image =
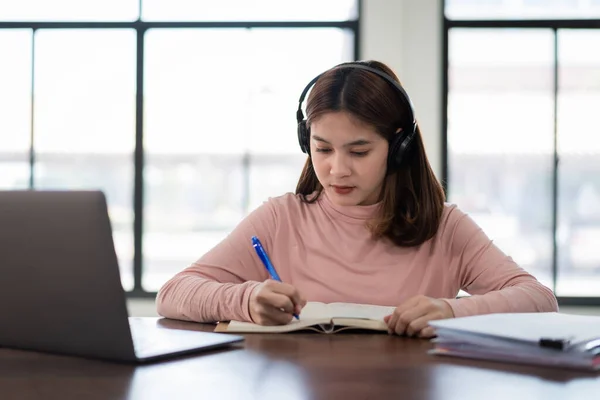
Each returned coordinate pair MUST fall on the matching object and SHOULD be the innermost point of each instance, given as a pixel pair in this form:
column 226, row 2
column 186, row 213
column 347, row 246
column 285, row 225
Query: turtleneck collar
column 357, row 214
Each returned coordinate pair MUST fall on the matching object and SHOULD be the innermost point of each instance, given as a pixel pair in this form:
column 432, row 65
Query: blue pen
column 262, row 254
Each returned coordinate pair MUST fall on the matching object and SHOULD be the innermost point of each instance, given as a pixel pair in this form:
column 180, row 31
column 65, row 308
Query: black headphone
column 399, row 145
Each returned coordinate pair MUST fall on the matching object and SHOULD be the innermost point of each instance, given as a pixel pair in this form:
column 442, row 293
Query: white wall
column 407, row 36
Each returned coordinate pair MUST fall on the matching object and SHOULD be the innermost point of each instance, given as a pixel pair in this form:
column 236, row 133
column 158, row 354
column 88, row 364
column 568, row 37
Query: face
column 349, row 158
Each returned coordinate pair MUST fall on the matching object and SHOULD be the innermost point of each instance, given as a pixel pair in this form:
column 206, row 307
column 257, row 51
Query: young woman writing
column 368, row 223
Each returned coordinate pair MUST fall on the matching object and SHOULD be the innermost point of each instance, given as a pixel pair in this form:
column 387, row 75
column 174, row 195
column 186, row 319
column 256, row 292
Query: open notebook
column 322, row 317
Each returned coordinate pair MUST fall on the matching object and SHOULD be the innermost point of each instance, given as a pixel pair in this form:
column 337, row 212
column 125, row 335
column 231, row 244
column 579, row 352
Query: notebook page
column 360, row 311
column 314, row 310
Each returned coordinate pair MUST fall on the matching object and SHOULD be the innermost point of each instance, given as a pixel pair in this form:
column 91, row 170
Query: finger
column 391, row 321
column 409, row 304
column 290, row 291
column 407, row 317
column 428, row 332
column 279, row 301
column 280, row 287
column 415, row 327
column 275, row 316
column 270, row 315
column 301, row 303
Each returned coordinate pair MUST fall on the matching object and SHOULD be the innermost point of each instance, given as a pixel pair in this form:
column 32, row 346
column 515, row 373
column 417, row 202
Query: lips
column 342, row 189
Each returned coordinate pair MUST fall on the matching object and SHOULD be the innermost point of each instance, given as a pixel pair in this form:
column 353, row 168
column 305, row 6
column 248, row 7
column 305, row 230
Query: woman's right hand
column 275, row 303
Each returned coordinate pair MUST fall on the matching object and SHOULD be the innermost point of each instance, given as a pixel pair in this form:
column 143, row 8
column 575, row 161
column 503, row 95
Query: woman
column 368, row 224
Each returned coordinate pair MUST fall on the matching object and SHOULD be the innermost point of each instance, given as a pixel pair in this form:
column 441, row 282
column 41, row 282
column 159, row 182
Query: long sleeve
column 494, row 281
column 218, row 286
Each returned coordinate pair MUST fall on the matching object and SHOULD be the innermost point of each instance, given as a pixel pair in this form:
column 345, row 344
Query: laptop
column 60, row 286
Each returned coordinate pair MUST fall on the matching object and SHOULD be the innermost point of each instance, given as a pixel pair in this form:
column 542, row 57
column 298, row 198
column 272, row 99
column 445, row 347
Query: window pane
column 195, row 113
column 69, row 10
column 166, row 253
column 278, row 74
column 191, row 203
column 85, row 121
column 522, row 9
column 205, row 119
column 279, row 79
column 500, row 138
column 579, row 168
column 273, row 176
column 15, row 107
column 248, row 10
column 196, row 91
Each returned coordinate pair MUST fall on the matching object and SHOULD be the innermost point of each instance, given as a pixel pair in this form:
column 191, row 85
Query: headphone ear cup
column 398, row 149
column 304, row 137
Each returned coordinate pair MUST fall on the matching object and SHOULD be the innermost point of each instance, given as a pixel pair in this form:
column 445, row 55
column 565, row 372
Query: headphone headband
column 359, row 65
column 398, row 145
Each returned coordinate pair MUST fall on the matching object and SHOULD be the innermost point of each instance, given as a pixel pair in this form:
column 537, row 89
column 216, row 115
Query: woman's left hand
column 411, row 317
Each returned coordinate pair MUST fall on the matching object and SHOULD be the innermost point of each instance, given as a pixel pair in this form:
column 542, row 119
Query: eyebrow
column 359, row 142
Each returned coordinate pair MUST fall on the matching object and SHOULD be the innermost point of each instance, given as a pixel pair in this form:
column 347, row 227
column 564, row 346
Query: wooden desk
column 290, row 366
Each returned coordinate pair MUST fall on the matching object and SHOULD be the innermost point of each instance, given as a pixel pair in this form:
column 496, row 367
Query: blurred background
column 183, row 113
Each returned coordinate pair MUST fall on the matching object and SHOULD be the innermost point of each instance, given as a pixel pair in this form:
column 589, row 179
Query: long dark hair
column 412, row 197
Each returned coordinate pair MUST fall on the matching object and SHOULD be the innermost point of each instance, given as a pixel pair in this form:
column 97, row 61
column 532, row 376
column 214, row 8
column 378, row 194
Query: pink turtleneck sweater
column 327, row 253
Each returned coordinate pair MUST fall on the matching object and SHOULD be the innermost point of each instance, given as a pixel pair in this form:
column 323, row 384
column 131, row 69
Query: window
column 68, row 10
column 500, row 138
column 579, row 167
column 84, row 119
column 15, row 108
column 521, row 9
column 248, row 10
column 521, row 134
column 182, row 112
column 220, row 131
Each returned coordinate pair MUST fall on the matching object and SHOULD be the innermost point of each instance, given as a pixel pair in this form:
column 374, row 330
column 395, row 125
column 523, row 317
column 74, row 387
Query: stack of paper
column 548, row 339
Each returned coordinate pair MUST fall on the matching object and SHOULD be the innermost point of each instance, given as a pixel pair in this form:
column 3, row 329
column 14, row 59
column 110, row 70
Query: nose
column 340, row 165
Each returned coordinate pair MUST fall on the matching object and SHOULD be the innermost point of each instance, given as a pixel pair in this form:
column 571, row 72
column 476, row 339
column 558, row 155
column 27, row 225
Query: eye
column 323, row 150
column 360, row 153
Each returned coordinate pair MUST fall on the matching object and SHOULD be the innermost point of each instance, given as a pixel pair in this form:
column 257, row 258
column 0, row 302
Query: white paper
column 529, row 327
column 345, row 310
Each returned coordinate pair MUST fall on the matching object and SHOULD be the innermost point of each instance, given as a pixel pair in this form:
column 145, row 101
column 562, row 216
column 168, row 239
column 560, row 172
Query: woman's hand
column 275, row 303
column 411, row 317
